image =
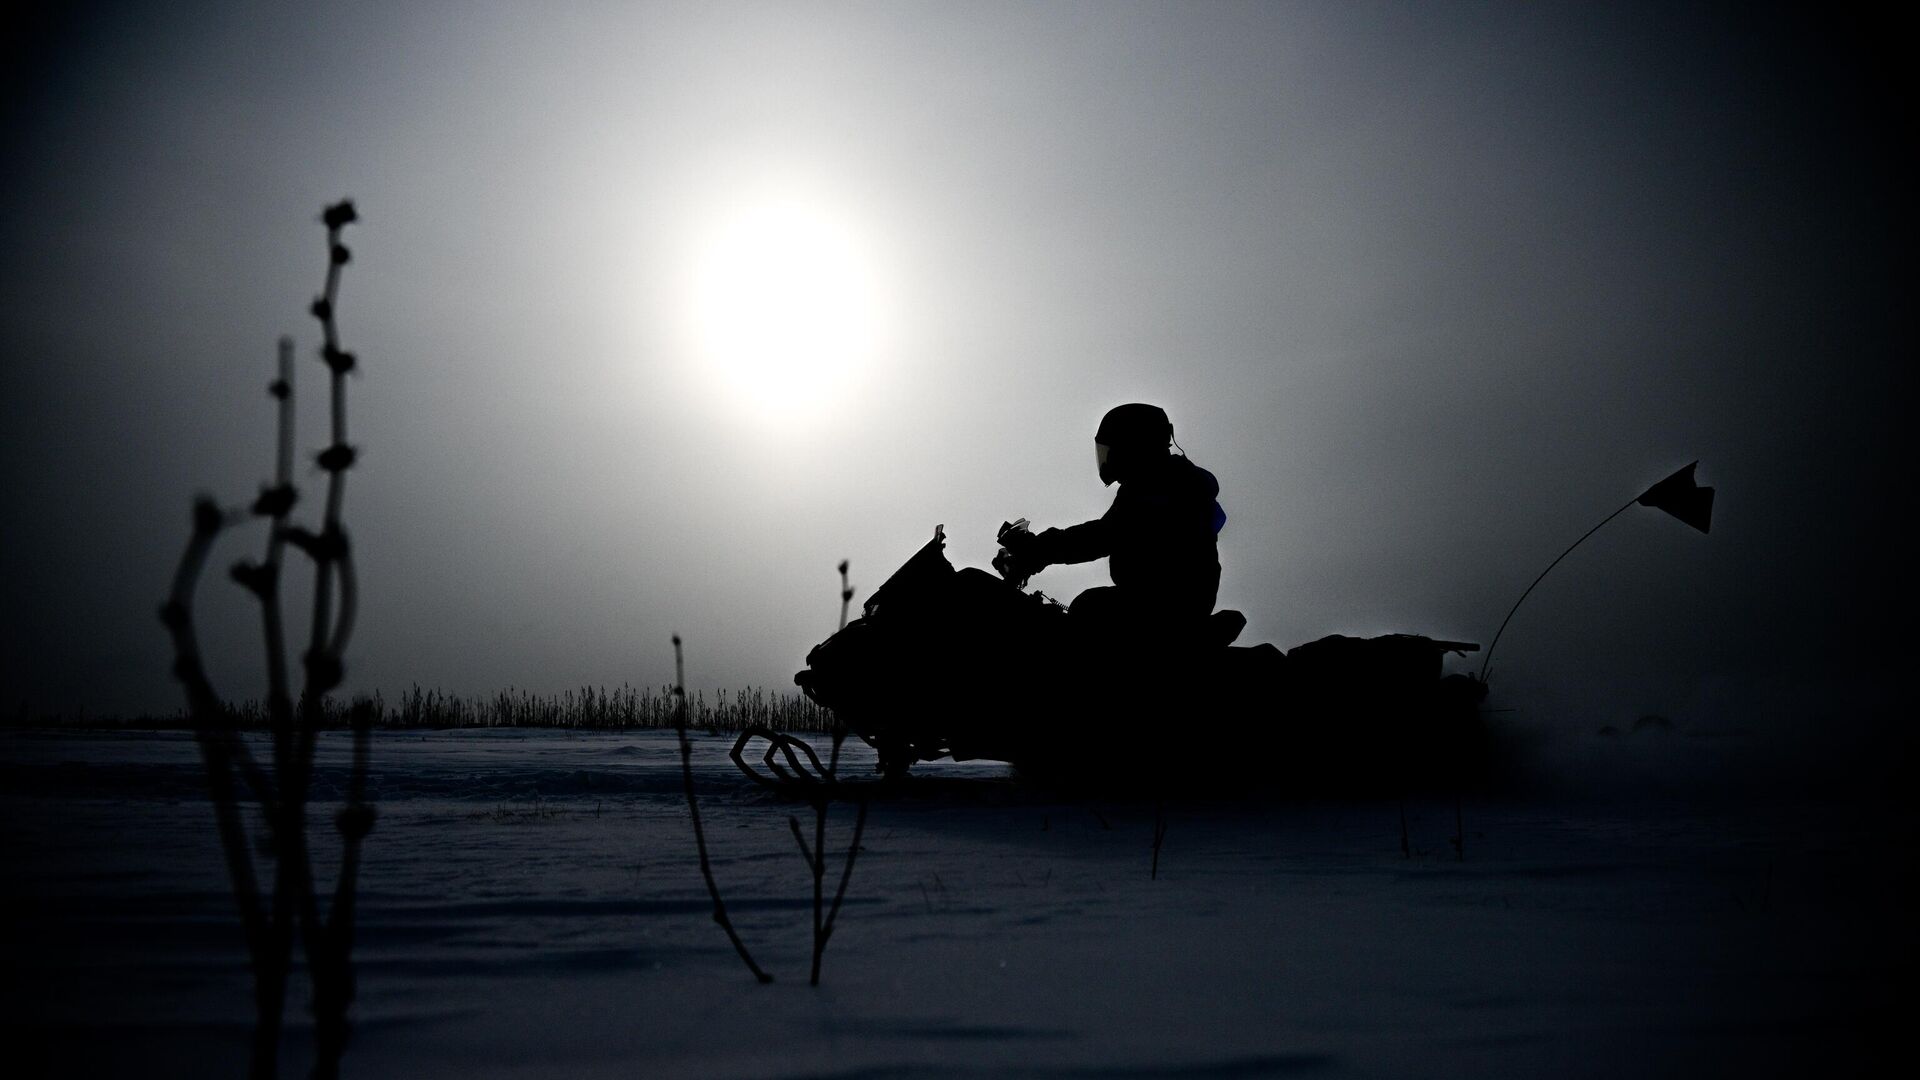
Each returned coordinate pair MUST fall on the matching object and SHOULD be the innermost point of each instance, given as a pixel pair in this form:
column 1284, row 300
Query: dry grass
column 589, row 708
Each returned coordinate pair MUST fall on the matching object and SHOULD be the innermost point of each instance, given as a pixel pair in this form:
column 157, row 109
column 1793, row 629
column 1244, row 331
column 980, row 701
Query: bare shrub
column 271, row 918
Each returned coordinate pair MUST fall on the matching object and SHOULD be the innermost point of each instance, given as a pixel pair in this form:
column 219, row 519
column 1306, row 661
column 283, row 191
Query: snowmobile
column 968, row 665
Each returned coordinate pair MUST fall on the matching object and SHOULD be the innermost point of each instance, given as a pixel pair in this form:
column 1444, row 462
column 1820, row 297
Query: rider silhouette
column 1158, row 537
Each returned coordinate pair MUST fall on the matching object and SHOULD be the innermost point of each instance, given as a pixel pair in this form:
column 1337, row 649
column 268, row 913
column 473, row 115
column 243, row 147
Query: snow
column 531, row 906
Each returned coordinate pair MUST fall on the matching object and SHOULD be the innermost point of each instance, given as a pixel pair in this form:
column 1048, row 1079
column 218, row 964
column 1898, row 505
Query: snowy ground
column 532, row 907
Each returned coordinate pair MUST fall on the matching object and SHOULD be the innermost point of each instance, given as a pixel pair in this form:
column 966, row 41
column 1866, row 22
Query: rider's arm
column 1084, row 542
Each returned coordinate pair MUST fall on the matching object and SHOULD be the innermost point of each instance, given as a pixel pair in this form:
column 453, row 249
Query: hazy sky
column 1430, row 288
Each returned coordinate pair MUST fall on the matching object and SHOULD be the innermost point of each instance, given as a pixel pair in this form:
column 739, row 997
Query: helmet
column 1130, row 433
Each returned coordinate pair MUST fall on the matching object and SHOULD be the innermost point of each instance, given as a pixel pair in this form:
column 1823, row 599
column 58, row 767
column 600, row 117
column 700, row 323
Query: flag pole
column 1488, row 659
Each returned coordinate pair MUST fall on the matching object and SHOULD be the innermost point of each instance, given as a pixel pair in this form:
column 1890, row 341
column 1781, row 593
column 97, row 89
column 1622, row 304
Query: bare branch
column 271, row 921
column 693, row 810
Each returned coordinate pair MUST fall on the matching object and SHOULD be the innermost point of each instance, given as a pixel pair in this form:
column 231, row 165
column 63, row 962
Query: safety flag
column 1680, row 496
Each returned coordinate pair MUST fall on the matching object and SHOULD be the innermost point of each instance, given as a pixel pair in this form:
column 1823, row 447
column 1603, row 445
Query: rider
column 1159, row 536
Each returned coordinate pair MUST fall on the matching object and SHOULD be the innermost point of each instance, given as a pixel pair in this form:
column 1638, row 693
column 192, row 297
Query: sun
column 786, row 308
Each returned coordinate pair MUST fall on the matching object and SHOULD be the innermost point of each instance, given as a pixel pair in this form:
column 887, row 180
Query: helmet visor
column 1101, row 452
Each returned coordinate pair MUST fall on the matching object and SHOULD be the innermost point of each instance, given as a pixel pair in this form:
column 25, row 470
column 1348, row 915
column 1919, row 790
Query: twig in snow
column 270, row 921
column 846, row 594
column 693, row 810
column 1159, row 837
column 822, row 798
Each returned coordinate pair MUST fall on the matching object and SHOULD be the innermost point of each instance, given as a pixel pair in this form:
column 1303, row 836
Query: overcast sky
column 1430, row 288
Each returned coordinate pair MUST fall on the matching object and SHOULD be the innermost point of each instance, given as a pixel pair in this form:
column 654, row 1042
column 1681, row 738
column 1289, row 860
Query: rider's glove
column 1019, row 557
column 1025, row 547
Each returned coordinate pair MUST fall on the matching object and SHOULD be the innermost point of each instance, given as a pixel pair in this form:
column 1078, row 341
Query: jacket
column 1160, row 538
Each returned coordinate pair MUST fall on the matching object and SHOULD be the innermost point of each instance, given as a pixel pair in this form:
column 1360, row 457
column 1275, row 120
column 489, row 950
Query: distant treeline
column 592, row 707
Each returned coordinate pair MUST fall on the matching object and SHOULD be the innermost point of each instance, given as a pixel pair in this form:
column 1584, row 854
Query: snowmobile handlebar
column 1007, row 562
